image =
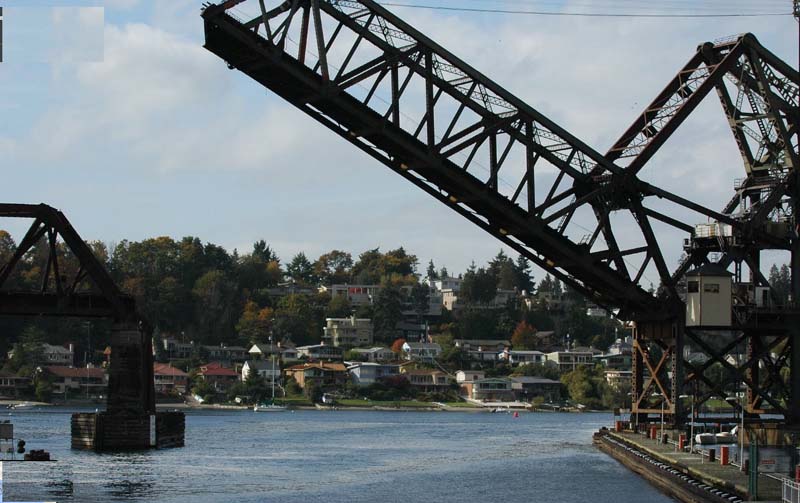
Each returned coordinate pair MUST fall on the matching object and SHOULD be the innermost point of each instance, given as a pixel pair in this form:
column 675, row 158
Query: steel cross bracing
column 74, row 283
column 447, row 128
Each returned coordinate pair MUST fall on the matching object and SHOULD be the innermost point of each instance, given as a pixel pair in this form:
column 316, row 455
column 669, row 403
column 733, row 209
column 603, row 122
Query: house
column 527, row 388
column 366, row 373
column 77, row 381
column 375, row 354
column 12, row 386
column 347, row 332
column 567, row 361
column 427, row 380
column 267, row 369
column 451, row 303
column 54, row 355
column 482, row 344
column 177, row 350
column 422, row 351
column 522, row 357
column 284, row 350
column 221, row 378
column 327, row 375
column 448, row 283
column 232, row 354
column 618, row 378
column 170, row 380
column 492, row 389
column 320, row 352
column 466, row 379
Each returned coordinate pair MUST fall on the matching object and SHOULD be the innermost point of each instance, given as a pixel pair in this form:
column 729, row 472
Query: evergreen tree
column 524, row 276
column 432, row 274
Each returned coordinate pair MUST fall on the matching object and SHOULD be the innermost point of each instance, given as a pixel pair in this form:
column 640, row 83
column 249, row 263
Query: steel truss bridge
column 450, row 130
column 74, row 283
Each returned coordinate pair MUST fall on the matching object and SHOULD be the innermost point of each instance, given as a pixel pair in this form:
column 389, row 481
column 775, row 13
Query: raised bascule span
column 585, row 217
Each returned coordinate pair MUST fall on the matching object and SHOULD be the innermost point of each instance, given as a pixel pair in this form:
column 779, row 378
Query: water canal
column 330, row 456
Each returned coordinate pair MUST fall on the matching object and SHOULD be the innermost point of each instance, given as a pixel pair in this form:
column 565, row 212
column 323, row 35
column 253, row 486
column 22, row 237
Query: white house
column 376, row 354
column 522, row 357
column 271, row 371
column 366, row 373
column 423, row 351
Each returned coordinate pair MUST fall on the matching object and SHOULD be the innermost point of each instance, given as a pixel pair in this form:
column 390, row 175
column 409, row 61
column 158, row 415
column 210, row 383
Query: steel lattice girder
column 88, row 293
column 355, row 79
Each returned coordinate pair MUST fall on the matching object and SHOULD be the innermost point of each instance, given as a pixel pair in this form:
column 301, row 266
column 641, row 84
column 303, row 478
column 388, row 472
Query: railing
column 791, row 491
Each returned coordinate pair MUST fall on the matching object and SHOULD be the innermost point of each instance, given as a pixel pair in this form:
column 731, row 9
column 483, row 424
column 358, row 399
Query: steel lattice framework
column 450, row 130
column 74, row 283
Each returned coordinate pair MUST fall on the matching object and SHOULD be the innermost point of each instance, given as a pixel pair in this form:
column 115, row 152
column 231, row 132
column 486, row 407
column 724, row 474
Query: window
column 694, row 286
column 711, row 288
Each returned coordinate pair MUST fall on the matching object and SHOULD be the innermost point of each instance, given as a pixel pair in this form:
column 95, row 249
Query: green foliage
column 339, row 307
column 431, row 273
column 537, row 370
column 420, row 298
column 479, row 286
column 204, row 389
column 333, row 267
column 293, row 388
column 781, row 282
column 300, row 270
column 586, row 386
column 43, row 390
column 313, row 391
column 374, row 267
column 387, row 311
column 299, row 318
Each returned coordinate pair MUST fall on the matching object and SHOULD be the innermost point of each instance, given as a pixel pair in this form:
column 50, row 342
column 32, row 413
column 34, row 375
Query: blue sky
column 131, row 128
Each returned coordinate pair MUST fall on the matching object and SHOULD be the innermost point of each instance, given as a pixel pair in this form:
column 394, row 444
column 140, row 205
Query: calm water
column 331, row 456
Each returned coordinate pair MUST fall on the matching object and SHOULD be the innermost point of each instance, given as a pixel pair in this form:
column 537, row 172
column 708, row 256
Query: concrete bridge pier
column 130, row 421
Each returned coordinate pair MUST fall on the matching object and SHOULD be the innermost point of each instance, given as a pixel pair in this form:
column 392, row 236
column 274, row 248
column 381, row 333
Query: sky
column 113, row 112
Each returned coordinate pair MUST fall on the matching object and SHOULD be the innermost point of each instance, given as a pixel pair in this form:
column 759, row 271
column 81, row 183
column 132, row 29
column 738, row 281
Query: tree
column 478, row 286
column 333, row 267
column 255, row 323
column 215, row 298
column 431, row 274
column 339, row 307
column 586, row 385
column 420, row 299
column 263, row 252
column 443, row 274
column 300, row 270
column 397, row 346
column 524, row 336
column 524, row 276
column 387, row 311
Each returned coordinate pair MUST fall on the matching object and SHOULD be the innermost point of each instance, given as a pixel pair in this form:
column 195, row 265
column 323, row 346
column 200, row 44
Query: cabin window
column 711, row 288
column 694, row 286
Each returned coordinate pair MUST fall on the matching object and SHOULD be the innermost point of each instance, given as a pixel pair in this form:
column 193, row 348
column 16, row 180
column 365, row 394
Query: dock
column 687, row 476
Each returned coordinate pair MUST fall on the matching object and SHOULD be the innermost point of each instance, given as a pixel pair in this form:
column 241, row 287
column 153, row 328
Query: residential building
column 595, row 311
column 618, row 378
column 492, row 389
column 482, row 344
column 347, row 332
column 327, row 375
column 283, row 350
column 223, row 353
column 12, row 386
column 463, row 376
column 54, row 355
column 448, row 283
column 221, row 378
column 527, row 388
column 320, row 352
column 451, row 303
column 427, row 380
column 170, row 380
column 177, row 350
column 522, row 357
column 567, row 361
column 267, row 369
column 366, row 373
column 71, row 381
column 364, row 295
column 422, row 351
column 376, row 354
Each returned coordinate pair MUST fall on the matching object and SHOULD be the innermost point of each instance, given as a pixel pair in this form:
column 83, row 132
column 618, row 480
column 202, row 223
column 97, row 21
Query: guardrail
column 791, row 491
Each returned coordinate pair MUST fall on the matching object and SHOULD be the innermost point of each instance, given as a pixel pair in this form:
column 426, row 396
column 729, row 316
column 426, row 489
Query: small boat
column 268, row 407
column 23, row 406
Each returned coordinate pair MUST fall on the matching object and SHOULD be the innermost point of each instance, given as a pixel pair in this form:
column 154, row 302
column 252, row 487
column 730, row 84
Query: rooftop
column 61, row 371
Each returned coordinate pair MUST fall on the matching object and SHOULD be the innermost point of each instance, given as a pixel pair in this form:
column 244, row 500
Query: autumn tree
column 255, row 323
column 397, row 346
column 333, row 267
column 524, row 336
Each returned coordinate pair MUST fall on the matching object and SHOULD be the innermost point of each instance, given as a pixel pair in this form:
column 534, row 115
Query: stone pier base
column 103, row 431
